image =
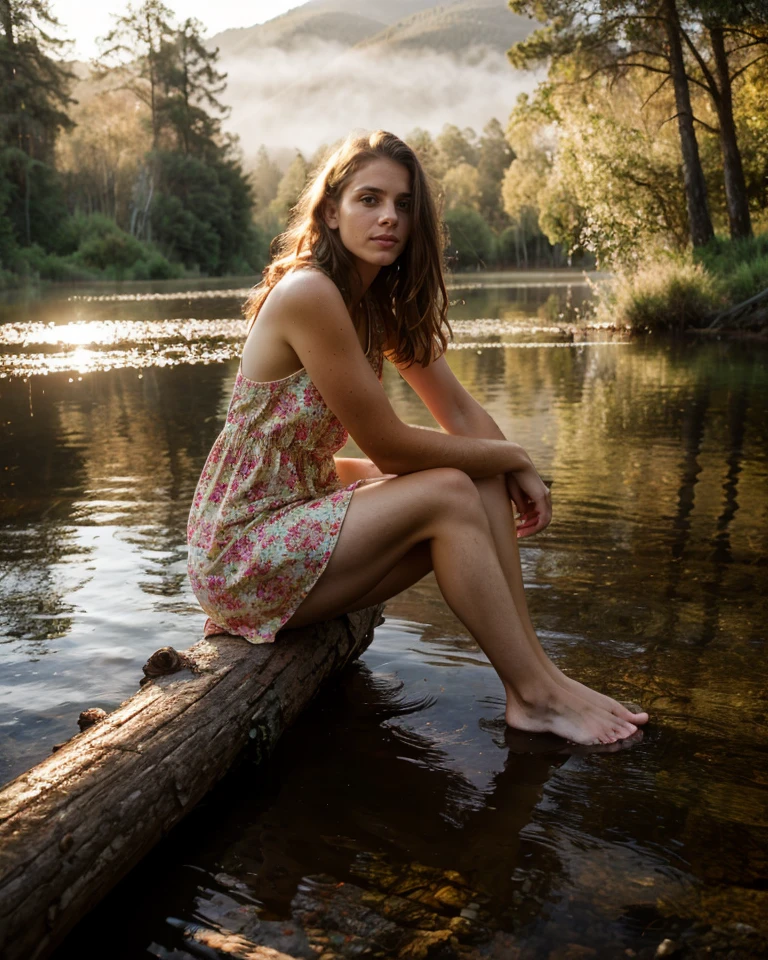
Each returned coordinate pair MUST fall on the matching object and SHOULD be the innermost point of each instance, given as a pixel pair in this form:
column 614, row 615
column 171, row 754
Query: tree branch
column 652, row 95
column 747, row 66
column 708, row 76
column 707, row 126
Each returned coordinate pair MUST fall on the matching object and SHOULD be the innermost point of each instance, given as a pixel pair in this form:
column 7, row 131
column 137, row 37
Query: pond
column 650, row 585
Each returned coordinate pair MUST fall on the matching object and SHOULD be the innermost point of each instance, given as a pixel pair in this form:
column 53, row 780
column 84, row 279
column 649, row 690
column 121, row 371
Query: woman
column 358, row 274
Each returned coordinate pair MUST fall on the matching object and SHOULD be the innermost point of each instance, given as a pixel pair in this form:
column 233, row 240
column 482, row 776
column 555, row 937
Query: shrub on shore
column 667, row 294
column 660, row 296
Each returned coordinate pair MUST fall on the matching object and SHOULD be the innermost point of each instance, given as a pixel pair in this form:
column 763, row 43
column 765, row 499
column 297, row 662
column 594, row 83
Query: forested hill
column 310, row 75
column 455, row 27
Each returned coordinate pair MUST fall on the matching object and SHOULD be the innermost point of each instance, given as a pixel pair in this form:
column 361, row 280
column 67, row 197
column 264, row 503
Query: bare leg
column 499, row 511
column 385, row 522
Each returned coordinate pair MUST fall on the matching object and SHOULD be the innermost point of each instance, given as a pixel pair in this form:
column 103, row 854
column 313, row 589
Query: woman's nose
column 388, row 215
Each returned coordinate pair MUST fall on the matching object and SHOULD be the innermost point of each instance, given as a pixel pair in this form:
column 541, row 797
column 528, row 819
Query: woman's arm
column 449, row 402
column 316, row 324
column 457, row 412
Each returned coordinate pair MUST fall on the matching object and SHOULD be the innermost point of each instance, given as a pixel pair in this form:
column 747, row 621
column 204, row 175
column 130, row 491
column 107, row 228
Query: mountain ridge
column 455, row 27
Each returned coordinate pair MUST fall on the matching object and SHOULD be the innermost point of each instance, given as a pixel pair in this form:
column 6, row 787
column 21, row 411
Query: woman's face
column 373, row 216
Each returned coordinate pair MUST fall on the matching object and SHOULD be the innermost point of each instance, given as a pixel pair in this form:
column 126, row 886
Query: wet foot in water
column 588, row 694
column 548, row 708
column 599, row 699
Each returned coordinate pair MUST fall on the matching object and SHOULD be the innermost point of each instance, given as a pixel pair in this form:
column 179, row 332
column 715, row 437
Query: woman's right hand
column 532, row 498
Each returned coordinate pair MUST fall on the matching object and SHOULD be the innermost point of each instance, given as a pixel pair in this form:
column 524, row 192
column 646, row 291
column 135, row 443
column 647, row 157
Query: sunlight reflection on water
column 109, row 345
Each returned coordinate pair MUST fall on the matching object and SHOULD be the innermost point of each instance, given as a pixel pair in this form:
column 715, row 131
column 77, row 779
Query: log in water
column 72, row 826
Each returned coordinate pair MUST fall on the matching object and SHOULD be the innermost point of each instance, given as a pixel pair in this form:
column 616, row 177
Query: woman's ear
column 331, row 213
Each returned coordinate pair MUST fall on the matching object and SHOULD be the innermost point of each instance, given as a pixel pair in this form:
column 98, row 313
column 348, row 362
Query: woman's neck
column 366, row 274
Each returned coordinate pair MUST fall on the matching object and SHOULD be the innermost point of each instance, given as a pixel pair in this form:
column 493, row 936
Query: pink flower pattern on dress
column 269, row 504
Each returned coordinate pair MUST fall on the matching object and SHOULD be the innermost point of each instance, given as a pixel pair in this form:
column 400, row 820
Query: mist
column 304, row 98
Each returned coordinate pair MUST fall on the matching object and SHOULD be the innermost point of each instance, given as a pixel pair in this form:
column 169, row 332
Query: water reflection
column 650, row 585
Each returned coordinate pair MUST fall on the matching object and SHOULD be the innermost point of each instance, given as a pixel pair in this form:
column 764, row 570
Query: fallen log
column 75, row 824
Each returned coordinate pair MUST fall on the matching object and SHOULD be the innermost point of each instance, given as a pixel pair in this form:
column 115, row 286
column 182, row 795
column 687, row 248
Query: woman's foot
column 599, row 699
column 548, row 708
column 587, row 693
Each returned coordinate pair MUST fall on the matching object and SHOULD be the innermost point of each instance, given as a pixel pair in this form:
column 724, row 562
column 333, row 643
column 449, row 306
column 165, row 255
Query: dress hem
column 300, row 598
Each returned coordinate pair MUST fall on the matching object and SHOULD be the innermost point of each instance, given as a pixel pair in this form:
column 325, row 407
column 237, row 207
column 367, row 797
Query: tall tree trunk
column 693, row 175
column 152, row 79
column 185, row 95
column 733, row 170
column 10, row 97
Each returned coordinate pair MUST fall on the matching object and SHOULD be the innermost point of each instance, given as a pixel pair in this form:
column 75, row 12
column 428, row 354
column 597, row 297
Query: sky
column 84, row 20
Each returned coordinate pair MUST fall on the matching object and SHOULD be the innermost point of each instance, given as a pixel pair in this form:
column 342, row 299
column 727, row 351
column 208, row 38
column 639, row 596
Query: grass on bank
column 668, row 294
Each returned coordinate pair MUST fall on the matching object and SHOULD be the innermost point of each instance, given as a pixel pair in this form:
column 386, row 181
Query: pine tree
column 34, row 96
column 191, row 87
column 137, row 47
column 34, row 93
column 494, row 157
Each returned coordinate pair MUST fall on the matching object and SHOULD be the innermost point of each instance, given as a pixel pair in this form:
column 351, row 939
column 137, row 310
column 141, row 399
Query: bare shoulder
column 305, row 290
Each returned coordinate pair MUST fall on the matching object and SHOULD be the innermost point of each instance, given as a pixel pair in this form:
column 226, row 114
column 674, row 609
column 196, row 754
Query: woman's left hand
column 533, row 506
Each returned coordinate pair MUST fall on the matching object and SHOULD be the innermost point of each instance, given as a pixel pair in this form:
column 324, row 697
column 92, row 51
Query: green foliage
column 747, row 280
column 202, row 215
column 34, row 93
column 454, row 146
column 462, row 186
column 32, row 198
column 113, row 249
column 751, row 117
column 193, row 198
column 422, row 144
column 190, row 88
column 741, row 266
column 137, row 51
column 471, row 243
column 494, row 157
column 265, row 179
column 34, row 263
column 600, row 172
column 91, row 248
column 82, row 228
column 289, row 188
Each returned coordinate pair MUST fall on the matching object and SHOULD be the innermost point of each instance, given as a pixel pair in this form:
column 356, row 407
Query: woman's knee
column 455, row 492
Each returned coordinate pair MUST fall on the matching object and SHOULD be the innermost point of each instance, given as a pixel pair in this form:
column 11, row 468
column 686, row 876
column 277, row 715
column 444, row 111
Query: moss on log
column 75, row 824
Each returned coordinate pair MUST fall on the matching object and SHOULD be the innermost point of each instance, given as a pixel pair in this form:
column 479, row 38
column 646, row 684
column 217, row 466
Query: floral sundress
column 269, row 505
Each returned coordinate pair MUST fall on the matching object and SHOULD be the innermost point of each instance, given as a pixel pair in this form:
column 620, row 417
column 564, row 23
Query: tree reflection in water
column 649, row 585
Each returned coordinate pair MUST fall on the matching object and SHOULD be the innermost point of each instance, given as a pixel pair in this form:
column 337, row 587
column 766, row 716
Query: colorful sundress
column 269, row 504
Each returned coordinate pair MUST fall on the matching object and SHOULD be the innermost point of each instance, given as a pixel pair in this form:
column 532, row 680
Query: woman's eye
column 404, row 205
column 366, row 199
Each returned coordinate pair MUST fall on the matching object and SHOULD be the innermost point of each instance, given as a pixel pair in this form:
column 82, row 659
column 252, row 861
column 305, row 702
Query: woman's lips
column 385, row 242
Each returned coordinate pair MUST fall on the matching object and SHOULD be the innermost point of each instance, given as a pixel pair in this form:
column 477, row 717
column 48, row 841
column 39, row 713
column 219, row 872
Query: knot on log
column 164, row 661
column 90, row 717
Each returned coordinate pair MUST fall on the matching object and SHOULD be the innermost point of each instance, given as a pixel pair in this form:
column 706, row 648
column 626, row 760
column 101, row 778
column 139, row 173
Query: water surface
column 650, row 584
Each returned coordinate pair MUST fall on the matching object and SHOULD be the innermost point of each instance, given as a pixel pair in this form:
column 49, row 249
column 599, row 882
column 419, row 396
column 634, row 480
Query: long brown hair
column 410, row 293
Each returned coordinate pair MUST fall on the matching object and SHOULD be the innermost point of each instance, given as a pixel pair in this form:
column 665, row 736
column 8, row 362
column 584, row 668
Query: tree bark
column 693, row 175
column 733, row 170
column 75, row 824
